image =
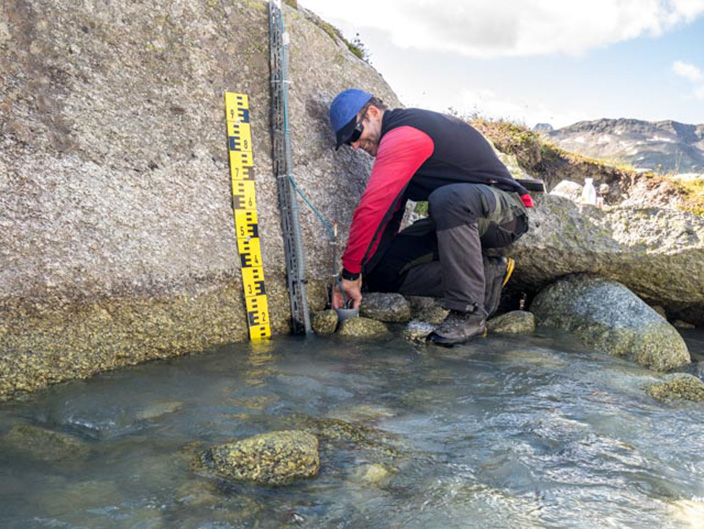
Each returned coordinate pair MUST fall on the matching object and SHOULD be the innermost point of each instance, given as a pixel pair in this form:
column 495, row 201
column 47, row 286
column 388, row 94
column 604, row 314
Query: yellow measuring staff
column 244, row 205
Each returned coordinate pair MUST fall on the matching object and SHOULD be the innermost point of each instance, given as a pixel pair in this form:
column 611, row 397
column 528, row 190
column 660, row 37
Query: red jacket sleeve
column 401, row 152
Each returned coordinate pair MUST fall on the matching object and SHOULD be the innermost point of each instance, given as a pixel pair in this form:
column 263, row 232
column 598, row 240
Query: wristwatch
column 349, row 276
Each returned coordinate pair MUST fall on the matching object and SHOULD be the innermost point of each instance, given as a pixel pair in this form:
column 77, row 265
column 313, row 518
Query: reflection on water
column 526, row 432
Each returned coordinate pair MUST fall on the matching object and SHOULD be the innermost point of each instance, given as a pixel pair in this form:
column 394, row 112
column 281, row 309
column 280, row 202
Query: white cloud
column 510, row 27
column 694, row 75
column 688, row 71
column 488, row 104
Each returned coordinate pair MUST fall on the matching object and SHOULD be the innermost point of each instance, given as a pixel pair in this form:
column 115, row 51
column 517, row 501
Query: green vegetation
column 692, row 194
column 357, row 47
column 544, row 160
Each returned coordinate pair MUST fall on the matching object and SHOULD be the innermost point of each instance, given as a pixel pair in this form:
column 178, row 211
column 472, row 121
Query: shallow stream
column 506, row 432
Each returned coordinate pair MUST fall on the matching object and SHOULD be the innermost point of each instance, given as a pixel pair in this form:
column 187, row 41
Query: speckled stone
column 514, row 322
column 385, row 306
column 325, row 322
column 418, row 331
column 275, row 458
column 607, row 316
column 427, row 309
column 678, row 386
column 362, row 327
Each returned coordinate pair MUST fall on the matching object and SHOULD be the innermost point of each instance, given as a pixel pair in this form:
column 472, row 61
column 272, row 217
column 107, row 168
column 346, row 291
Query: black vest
column 461, row 154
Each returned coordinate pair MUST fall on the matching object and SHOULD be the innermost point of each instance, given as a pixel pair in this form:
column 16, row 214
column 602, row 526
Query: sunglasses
column 357, row 132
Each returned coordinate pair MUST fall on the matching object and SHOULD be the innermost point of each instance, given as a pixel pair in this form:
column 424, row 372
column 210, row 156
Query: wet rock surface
column 362, row 328
column 276, row 458
column 607, row 316
column 418, row 331
column 678, row 386
column 44, row 444
column 514, row 322
column 325, row 322
column 387, row 307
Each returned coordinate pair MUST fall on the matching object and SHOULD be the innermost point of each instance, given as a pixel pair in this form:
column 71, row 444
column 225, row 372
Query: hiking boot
column 497, row 271
column 458, row 327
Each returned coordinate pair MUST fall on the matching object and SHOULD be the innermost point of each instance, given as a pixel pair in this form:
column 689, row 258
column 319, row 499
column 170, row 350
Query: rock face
column 114, row 164
column 276, row 458
column 610, row 318
column 656, row 253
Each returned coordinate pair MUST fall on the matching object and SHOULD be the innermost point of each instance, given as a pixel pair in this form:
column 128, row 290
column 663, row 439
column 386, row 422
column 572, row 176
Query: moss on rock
column 362, row 327
column 515, row 322
column 325, row 322
column 275, row 458
column 678, row 386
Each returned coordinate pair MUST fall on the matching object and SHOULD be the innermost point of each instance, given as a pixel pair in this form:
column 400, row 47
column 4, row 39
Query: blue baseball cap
column 343, row 113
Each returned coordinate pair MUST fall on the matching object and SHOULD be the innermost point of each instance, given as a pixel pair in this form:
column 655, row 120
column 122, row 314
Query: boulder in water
column 609, row 317
column 678, row 386
column 362, row 327
column 275, row 458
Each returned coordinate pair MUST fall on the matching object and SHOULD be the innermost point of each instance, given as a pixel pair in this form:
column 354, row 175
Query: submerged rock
column 158, row 410
column 514, row 322
column 383, row 306
column 362, row 327
column 45, row 445
column 325, row 322
column 372, row 474
column 609, row 317
column 677, row 386
column 275, row 458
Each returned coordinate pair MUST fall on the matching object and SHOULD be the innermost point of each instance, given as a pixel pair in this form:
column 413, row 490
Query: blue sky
column 531, row 61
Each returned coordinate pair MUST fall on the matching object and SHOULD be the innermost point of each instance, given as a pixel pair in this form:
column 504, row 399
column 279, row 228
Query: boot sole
column 436, row 339
column 510, row 265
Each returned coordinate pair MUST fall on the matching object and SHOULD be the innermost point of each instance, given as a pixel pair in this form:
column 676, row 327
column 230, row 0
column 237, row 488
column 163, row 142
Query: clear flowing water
column 506, row 432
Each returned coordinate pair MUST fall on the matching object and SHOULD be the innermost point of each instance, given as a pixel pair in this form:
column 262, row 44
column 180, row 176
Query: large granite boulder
column 657, row 253
column 117, row 240
column 275, row 458
column 607, row 316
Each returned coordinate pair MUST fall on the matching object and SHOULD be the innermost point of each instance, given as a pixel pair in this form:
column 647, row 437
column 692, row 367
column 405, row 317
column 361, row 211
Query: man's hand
column 352, row 290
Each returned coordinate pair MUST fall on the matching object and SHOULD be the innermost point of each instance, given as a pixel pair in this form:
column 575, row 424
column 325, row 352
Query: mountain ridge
column 665, row 146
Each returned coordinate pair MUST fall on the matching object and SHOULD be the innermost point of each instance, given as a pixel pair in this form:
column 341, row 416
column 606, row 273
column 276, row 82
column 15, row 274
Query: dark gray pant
column 441, row 256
